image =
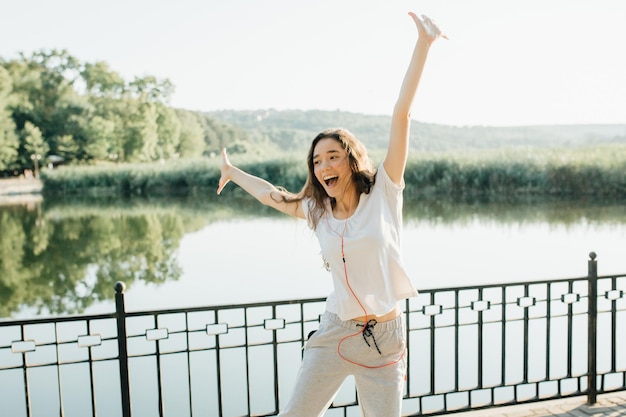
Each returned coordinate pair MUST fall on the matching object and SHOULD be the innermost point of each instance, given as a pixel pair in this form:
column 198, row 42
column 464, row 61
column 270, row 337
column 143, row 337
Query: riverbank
column 20, row 190
column 13, row 186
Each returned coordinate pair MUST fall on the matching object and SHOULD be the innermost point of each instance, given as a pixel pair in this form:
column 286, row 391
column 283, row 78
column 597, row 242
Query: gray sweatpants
column 379, row 377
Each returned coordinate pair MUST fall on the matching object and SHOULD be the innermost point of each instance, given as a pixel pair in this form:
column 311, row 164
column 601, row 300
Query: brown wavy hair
column 363, row 172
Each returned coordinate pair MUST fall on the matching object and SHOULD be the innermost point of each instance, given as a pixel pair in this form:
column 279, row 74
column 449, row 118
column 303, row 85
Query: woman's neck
column 346, row 206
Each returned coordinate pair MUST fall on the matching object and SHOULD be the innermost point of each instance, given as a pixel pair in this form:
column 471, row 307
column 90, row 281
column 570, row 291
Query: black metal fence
column 468, row 348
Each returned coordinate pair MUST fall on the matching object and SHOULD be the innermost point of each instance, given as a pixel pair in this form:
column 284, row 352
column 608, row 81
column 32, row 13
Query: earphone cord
column 368, row 324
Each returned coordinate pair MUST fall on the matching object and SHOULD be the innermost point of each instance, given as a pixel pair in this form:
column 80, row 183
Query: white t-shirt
column 371, row 244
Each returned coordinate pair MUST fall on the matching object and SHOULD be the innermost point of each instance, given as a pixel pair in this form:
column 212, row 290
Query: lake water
column 61, row 257
column 269, row 259
column 204, row 254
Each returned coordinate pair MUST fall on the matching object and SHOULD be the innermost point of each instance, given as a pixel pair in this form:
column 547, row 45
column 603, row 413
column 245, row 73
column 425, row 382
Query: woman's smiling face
column 331, row 165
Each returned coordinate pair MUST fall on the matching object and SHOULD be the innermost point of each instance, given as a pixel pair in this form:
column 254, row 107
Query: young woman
column 356, row 213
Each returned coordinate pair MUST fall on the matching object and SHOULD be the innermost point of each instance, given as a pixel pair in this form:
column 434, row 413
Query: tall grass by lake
column 576, row 172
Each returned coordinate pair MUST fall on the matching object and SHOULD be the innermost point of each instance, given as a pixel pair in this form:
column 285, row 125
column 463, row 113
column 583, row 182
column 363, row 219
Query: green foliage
column 132, row 179
column 600, row 171
column 9, row 141
column 192, row 135
column 33, row 143
column 86, row 113
column 101, row 81
column 168, row 132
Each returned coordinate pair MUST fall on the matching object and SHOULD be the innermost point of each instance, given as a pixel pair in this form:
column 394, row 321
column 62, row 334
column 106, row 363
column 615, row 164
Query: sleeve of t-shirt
column 306, row 209
column 390, row 187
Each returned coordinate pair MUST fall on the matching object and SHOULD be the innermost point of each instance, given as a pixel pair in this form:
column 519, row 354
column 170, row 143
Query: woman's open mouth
column 330, row 180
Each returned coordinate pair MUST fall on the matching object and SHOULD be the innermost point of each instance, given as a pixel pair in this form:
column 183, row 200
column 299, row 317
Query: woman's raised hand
column 226, row 166
column 427, row 28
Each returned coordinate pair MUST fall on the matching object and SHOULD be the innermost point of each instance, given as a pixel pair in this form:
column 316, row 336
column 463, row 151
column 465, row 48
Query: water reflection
column 63, row 263
column 61, row 257
column 507, row 211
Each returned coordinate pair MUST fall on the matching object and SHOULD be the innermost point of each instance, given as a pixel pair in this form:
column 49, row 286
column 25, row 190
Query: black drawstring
column 367, row 332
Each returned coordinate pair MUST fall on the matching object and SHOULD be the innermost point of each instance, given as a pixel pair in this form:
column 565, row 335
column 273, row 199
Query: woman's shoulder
column 314, row 210
column 384, row 187
column 383, row 180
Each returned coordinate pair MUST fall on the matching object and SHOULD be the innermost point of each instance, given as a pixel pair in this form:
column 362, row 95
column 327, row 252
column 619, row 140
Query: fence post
column 592, row 326
column 120, row 314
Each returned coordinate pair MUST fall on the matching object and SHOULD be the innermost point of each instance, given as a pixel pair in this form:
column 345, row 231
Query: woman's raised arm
column 397, row 152
column 260, row 189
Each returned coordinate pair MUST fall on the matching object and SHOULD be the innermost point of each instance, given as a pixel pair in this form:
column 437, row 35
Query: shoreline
column 20, row 191
column 16, row 186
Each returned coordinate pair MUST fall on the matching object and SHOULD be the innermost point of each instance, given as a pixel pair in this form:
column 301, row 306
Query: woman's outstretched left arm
column 397, row 152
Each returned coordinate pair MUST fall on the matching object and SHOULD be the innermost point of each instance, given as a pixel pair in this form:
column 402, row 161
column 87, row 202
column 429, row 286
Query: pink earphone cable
column 366, row 322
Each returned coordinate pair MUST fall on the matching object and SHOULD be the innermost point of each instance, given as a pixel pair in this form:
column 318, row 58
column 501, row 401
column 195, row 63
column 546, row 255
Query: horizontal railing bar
column 11, row 322
column 511, row 284
column 56, row 319
column 223, row 307
column 53, row 364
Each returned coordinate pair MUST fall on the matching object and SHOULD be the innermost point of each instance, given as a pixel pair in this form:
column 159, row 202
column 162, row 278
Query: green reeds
column 598, row 171
column 534, row 172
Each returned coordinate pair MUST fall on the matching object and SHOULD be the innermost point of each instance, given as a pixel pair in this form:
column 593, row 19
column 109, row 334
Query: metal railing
column 468, row 348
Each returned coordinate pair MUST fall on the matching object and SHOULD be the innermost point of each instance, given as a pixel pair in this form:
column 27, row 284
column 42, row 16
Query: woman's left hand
column 427, row 28
column 225, row 171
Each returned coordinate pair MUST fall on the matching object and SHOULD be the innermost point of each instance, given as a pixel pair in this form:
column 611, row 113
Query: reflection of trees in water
column 61, row 263
column 62, row 257
column 507, row 211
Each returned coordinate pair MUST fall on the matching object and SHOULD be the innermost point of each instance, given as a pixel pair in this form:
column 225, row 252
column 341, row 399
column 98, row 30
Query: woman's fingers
column 224, row 170
column 427, row 27
column 221, row 185
column 433, row 27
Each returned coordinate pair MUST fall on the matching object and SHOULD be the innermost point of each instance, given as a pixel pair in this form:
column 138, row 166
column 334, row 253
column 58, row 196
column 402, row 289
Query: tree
column 85, row 112
column 9, row 141
column 34, row 144
column 212, row 140
column 100, row 81
column 140, row 131
column 151, row 89
column 191, row 135
column 52, row 89
column 117, row 112
column 66, row 147
column 98, row 136
column 168, row 129
column 44, row 96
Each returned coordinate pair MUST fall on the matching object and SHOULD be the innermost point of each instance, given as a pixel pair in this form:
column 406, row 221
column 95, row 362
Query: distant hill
column 294, row 130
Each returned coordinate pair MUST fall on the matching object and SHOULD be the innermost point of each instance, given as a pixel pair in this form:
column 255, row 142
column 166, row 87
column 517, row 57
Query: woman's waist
column 389, row 316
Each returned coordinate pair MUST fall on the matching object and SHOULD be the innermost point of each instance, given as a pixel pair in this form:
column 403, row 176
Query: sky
column 507, row 62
